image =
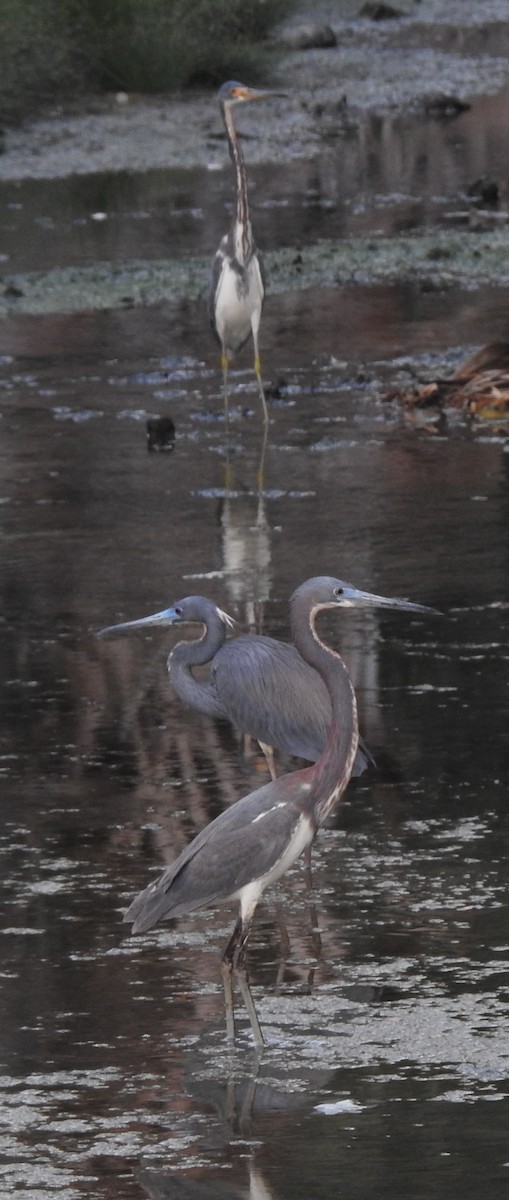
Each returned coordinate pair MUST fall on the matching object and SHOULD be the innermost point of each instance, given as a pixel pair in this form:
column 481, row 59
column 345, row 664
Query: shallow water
column 381, row 174
column 387, row 1064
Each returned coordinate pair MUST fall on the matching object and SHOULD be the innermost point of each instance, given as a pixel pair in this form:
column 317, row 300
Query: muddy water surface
column 387, row 1064
column 385, row 174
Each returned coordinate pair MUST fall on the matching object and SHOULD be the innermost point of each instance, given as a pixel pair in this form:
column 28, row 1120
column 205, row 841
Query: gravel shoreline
column 440, row 46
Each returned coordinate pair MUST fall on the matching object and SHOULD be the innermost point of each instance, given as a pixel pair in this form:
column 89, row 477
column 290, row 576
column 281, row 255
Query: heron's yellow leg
column 258, row 373
column 224, row 366
column 261, row 520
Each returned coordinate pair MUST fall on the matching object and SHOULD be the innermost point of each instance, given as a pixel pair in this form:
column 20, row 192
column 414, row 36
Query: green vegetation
column 51, row 49
column 36, row 54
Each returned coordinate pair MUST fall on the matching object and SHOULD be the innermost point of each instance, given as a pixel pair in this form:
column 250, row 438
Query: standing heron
column 264, row 687
column 237, row 286
column 252, row 843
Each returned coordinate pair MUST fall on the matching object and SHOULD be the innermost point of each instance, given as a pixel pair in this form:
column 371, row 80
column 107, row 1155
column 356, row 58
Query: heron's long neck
column 334, row 767
column 198, row 694
column 242, row 224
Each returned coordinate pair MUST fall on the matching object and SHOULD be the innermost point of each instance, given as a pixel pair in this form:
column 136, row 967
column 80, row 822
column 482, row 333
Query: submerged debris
column 379, row 12
column 484, row 191
column 443, row 106
column 160, row 434
column 479, row 388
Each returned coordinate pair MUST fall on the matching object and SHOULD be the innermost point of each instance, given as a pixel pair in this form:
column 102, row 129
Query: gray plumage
column 252, row 844
column 267, row 690
column 261, row 685
column 187, row 884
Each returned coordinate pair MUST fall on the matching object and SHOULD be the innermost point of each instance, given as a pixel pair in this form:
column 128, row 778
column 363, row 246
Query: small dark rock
column 11, row 292
column 275, row 390
column 160, row 434
column 330, row 109
column 311, row 37
column 484, row 191
column 379, row 12
column 444, row 106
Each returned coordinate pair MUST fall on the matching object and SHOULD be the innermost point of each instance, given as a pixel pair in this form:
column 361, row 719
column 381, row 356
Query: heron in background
column 237, row 286
column 263, row 686
column 251, row 844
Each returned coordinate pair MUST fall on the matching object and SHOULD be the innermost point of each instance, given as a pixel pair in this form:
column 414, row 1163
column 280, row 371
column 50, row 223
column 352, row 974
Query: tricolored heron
column 261, row 685
column 237, row 286
column 252, row 843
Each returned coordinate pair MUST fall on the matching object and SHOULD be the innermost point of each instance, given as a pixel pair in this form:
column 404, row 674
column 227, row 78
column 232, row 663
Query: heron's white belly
column 302, row 838
column 238, row 303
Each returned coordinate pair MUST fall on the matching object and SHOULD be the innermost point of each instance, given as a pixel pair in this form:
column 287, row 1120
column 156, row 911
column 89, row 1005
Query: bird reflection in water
column 205, row 1185
column 235, row 1111
column 246, row 550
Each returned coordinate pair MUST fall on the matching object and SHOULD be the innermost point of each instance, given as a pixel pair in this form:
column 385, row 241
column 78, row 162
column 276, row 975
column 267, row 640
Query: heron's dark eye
column 178, row 611
column 338, row 591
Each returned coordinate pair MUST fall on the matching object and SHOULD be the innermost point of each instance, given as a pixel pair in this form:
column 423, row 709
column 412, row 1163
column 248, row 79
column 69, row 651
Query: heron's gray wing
column 217, row 267
column 242, row 844
column 272, row 694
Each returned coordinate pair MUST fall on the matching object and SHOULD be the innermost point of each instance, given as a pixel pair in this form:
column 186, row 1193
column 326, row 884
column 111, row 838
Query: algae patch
column 441, row 259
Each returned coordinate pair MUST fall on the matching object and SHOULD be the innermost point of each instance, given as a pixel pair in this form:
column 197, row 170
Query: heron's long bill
column 247, row 93
column 352, row 597
column 167, row 616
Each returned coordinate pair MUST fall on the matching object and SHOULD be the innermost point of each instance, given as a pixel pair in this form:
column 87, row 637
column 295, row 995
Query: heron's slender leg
column 313, row 915
column 285, row 946
column 268, row 751
column 316, row 939
column 308, row 874
column 242, row 980
column 258, row 373
column 261, row 520
column 234, row 964
column 224, row 365
column 227, row 972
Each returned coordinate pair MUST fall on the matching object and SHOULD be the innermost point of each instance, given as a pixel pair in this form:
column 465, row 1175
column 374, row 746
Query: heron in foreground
column 252, row 843
column 263, row 686
column 237, row 286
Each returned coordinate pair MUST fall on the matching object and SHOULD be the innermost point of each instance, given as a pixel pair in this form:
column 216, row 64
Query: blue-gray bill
column 350, row 597
column 166, row 617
